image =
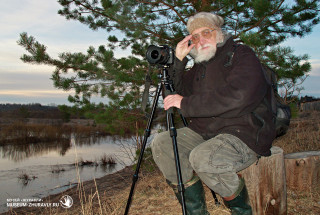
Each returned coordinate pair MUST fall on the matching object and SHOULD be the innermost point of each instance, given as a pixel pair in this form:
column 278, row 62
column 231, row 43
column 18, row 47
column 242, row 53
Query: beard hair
column 201, row 55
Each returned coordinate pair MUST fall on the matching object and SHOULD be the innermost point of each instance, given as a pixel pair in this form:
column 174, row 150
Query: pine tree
column 261, row 24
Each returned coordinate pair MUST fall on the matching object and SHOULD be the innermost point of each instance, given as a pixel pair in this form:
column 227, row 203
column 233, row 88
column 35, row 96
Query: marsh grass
column 87, row 163
column 57, row 169
column 107, row 160
column 23, row 133
column 25, row 178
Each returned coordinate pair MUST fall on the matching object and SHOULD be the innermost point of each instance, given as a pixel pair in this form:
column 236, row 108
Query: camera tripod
column 168, row 88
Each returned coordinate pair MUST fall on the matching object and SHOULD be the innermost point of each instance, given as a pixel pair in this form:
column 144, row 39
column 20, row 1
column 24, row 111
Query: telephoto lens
column 162, row 55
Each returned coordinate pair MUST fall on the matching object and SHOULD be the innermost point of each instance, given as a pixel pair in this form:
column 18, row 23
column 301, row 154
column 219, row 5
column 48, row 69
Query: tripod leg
column 184, row 120
column 216, row 201
column 173, row 134
column 169, row 89
column 145, row 138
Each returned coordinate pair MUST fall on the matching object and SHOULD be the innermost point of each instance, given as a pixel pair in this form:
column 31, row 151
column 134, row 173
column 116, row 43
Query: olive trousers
column 216, row 161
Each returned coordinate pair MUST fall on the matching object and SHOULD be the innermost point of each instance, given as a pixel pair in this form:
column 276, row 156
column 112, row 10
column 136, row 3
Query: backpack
column 280, row 110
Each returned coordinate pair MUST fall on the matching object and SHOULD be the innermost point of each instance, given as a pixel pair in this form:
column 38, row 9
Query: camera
column 163, row 55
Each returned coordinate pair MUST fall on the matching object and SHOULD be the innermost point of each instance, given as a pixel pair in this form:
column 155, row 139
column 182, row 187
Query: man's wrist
column 180, row 64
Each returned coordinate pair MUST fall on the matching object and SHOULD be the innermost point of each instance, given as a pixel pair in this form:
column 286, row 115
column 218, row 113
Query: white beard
column 201, row 55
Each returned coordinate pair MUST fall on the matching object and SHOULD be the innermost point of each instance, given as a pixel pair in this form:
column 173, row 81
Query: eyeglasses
column 207, row 34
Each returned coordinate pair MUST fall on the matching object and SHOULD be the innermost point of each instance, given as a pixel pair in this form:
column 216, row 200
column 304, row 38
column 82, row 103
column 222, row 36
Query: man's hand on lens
column 172, row 101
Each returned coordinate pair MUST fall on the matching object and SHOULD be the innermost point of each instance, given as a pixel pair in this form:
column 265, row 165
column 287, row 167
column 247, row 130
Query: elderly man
column 225, row 97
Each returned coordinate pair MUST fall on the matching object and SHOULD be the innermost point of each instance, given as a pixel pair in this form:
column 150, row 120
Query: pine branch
column 261, row 20
column 280, row 20
column 174, row 10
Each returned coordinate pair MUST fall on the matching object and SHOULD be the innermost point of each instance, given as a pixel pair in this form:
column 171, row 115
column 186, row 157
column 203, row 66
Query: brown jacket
column 227, row 99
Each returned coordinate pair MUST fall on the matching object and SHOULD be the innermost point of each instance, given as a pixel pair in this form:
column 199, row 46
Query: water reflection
column 108, row 168
column 81, row 140
column 20, row 152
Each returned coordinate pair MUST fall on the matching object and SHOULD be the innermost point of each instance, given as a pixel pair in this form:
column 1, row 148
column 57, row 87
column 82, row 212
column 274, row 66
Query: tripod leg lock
column 147, row 132
column 135, row 177
column 173, row 132
column 180, row 188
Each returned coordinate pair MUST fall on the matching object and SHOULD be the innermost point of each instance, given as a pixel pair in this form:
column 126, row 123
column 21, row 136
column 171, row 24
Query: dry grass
column 303, row 134
column 303, row 203
column 153, row 196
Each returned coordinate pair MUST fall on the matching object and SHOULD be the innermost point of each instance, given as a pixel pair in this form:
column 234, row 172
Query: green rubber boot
column 238, row 201
column 194, row 196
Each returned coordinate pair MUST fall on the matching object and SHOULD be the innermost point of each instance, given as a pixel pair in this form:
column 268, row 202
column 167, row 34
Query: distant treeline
column 308, row 99
column 34, row 110
column 32, row 106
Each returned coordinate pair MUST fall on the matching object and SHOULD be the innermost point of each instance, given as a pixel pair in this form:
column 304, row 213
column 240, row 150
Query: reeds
column 57, row 169
column 107, row 160
column 104, row 160
column 23, row 133
column 24, row 178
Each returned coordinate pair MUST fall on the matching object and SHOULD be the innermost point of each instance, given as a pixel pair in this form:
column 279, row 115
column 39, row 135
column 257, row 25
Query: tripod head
column 167, row 83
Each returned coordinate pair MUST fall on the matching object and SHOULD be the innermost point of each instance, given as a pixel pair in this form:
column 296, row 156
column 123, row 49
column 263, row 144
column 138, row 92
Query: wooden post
column 303, row 170
column 266, row 184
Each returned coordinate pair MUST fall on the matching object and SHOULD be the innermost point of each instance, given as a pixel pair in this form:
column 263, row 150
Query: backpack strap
column 230, row 55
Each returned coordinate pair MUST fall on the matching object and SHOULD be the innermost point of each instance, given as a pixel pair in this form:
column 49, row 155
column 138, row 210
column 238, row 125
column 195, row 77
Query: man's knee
column 160, row 143
column 198, row 158
column 211, row 159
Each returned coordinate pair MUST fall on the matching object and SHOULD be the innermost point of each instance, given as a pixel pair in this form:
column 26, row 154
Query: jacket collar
column 226, row 38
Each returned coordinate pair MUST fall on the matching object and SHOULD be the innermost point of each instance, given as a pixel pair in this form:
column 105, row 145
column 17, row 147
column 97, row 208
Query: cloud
column 315, row 67
column 30, row 87
column 28, row 99
column 31, row 14
column 40, row 19
column 311, row 86
column 31, row 83
column 309, row 44
column 35, row 93
column 25, row 81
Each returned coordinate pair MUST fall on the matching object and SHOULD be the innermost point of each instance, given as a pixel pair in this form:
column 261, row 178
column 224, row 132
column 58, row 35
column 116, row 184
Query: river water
column 51, row 167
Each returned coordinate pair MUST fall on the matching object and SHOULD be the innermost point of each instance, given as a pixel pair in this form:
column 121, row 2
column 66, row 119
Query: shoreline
column 110, row 184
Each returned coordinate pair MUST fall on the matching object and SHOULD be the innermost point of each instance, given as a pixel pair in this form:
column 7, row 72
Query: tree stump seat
column 266, row 184
column 303, row 170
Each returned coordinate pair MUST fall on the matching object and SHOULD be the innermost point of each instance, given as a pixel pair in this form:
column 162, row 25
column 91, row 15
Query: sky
column 24, row 83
